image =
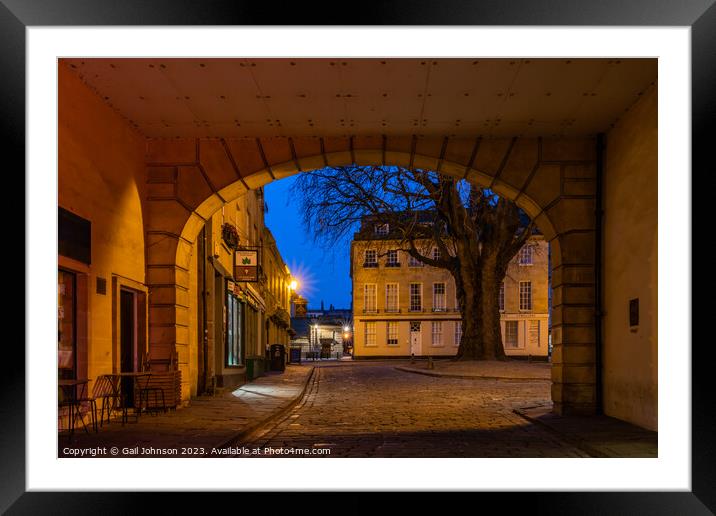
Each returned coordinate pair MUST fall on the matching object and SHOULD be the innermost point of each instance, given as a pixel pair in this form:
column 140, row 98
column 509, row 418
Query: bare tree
column 475, row 232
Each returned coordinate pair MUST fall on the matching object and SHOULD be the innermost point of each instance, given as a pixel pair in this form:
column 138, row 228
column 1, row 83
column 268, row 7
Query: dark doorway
column 128, row 342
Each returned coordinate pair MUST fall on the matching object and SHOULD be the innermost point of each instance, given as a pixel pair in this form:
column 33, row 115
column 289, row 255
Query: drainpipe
column 599, row 215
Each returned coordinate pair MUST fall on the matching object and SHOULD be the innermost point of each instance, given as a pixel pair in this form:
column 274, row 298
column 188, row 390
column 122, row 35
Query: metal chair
column 106, row 390
column 74, row 405
column 155, row 391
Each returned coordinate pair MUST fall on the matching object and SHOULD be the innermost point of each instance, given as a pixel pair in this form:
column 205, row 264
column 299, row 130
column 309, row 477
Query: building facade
column 244, row 308
column 402, row 307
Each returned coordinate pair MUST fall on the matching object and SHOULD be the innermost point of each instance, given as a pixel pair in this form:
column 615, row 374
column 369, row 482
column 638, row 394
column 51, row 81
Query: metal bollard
column 430, row 363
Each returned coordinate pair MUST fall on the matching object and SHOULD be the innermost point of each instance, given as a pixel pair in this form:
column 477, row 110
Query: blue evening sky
column 322, row 275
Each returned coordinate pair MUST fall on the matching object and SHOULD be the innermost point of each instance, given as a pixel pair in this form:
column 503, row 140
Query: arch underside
column 552, row 180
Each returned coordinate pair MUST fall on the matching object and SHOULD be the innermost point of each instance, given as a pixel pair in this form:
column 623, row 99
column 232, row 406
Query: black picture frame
column 699, row 15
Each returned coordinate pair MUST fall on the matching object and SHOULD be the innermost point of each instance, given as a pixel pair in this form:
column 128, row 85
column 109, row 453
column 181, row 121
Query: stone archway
column 553, row 180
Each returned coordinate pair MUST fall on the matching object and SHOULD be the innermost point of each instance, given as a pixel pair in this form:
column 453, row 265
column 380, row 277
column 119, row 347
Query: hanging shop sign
column 246, row 265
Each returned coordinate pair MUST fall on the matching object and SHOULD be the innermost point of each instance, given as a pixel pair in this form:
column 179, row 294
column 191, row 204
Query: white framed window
column 369, row 298
column 436, row 253
column 511, row 340
column 414, row 262
column 526, row 255
column 438, row 297
column 502, row 297
column 371, row 258
column 458, row 333
column 437, row 333
column 525, row 295
column 392, row 259
column 370, row 334
column 381, row 229
column 392, row 333
column 416, row 297
column 391, row 297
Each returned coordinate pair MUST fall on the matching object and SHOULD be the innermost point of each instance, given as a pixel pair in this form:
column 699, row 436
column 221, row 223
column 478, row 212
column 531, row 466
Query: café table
column 137, row 386
column 72, row 399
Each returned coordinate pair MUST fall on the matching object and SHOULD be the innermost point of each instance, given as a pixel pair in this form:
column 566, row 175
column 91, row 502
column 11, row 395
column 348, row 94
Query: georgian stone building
column 402, row 307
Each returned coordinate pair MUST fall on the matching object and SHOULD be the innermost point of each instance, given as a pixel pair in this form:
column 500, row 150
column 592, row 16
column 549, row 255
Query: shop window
column 66, row 325
column 234, row 331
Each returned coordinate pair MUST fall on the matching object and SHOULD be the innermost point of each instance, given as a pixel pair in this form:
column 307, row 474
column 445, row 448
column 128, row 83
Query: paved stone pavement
column 513, row 369
column 600, row 436
column 207, row 422
column 372, row 409
column 366, row 409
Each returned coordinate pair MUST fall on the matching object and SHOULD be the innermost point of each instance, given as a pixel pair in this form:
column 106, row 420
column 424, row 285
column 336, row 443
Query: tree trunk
column 490, row 309
column 478, row 289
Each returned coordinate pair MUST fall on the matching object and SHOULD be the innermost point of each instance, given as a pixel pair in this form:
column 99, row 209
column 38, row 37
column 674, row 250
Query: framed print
column 157, row 132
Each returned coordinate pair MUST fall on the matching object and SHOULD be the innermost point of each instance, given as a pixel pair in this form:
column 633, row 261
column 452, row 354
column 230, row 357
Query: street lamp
column 293, row 285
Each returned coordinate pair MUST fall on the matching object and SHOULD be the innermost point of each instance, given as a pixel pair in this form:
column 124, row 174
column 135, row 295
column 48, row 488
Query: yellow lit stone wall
column 101, row 177
column 630, row 265
column 276, row 289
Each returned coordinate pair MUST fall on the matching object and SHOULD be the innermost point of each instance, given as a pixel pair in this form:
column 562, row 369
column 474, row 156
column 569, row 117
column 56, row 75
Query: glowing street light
column 293, row 285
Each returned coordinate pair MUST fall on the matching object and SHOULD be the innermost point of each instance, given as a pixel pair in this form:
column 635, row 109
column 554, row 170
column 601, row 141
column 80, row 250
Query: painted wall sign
column 246, row 266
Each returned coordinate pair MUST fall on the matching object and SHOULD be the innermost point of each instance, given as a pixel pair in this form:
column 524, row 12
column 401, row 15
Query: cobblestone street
column 373, row 410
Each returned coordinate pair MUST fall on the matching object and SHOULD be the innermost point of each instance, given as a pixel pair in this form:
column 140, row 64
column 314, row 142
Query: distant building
column 320, row 333
column 402, row 306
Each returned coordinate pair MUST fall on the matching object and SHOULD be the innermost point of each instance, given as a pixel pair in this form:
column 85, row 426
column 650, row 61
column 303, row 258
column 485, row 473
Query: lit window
column 438, row 297
column 437, row 333
column 458, row 332
column 371, row 258
column 391, row 297
column 416, row 297
column 381, row 229
column 436, row 253
column 502, row 297
column 511, row 334
column 392, row 334
column 369, row 298
column 392, row 260
column 525, row 295
column 370, row 334
column 526, row 254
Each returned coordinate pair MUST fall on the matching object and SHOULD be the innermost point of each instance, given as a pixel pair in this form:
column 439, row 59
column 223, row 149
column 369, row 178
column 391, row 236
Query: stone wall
column 630, row 265
column 101, row 178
